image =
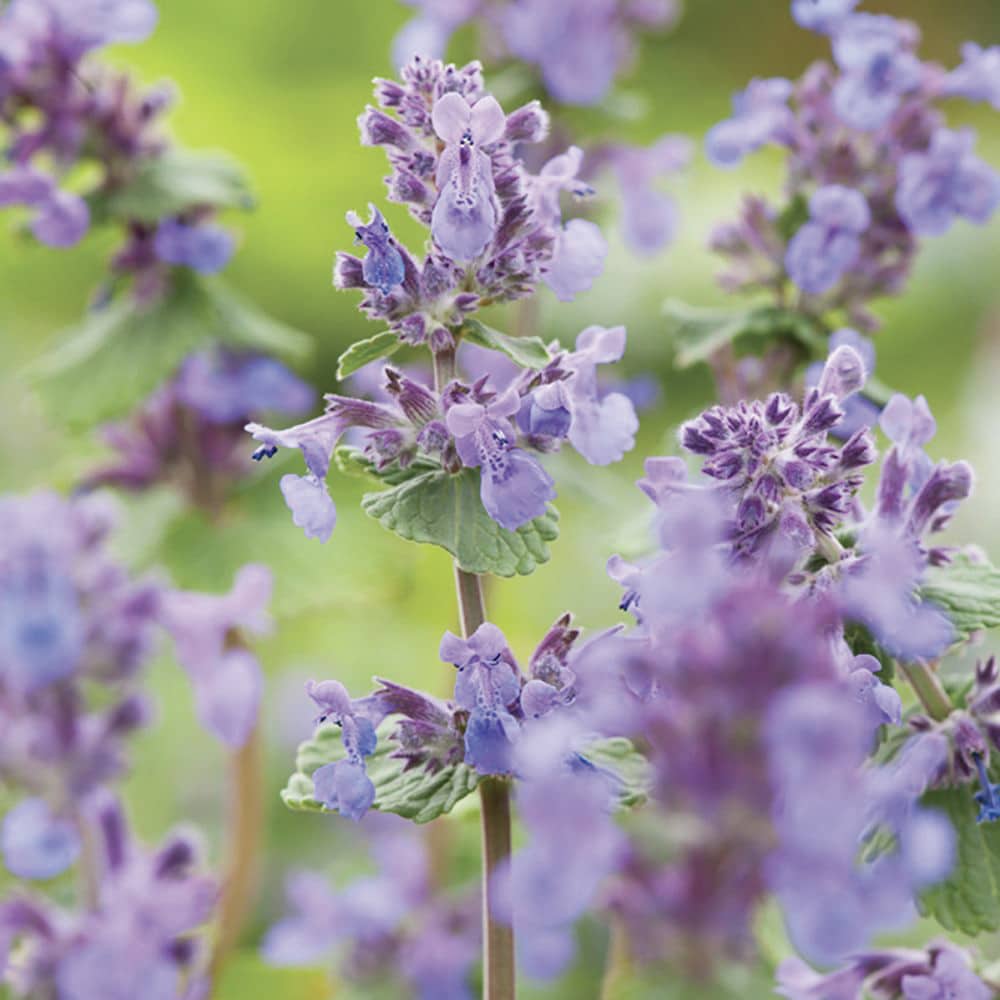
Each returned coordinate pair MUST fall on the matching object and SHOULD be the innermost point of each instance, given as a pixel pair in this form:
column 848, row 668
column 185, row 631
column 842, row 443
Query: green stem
column 242, row 847
column 925, row 683
column 618, row 965
column 499, row 982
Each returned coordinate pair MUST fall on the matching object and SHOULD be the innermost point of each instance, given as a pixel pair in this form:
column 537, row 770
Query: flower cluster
column 189, row 433
column 872, row 166
column 62, row 112
column 136, row 938
column 72, row 621
column 497, row 229
column 389, row 925
column 577, row 48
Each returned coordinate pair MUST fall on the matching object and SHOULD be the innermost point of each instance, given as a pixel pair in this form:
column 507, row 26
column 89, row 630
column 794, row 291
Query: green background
column 279, row 85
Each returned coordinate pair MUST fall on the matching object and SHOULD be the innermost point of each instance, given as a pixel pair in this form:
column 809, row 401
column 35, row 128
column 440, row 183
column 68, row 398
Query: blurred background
column 279, row 86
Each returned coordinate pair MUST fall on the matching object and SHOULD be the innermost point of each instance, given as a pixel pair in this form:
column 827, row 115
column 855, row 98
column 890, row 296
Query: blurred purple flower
column 204, row 247
column 760, row 115
column 36, row 843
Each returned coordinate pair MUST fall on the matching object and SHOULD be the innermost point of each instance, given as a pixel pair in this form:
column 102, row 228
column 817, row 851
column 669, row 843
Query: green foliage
column 794, row 217
column 528, row 352
column 412, row 794
column 120, row 353
column 445, row 510
column 968, row 591
column 176, row 181
column 246, row 976
column 618, row 756
column 969, row 899
column 698, row 333
column 363, row 352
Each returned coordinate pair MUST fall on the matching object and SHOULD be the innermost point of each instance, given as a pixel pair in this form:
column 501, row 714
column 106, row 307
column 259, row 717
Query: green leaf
column 618, row 756
column 245, row 975
column 179, row 180
column 698, row 333
column 440, row 509
column 968, row 591
column 969, row 900
column 794, row 217
column 528, row 352
column 119, row 354
column 363, row 352
column 413, row 794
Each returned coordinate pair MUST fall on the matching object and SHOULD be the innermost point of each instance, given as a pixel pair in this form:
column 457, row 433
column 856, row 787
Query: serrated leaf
column 528, row 352
column 363, row 352
column 439, row 509
column 967, row 591
column 178, row 180
column 119, row 354
column 413, row 794
column 969, row 899
column 698, row 333
column 353, row 461
column 632, row 772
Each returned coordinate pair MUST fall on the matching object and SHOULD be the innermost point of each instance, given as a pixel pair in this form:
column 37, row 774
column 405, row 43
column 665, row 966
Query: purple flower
column 487, row 685
column 945, row 182
column 790, row 486
column 36, row 843
column 828, row 246
column 465, row 215
column 859, row 411
column 79, row 25
column 344, row 785
column 204, row 247
column 882, row 704
column 225, row 388
column 760, row 115
column 602, row 427
column 428, row 33
column 61, row 218
column 383, row 264
column 649, row 217
column 225, row 675
column 873, row 53
column 950, row 976
column 988, row 796
column 822, row 15
column 978, row 78
column 514, row 488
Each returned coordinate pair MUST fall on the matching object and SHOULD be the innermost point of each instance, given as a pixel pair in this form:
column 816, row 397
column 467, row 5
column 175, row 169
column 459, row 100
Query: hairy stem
column 243, row 844
column 494, row 793
column 927, row 686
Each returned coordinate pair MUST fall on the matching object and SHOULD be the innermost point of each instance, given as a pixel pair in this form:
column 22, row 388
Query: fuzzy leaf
column 414, row 794
column 170, row 184
column 698, row 333
column 445, row 510
column 619, row 757
column 119, row 354
column 528, row 352
column 967, row 591
column 969, row 899
column 363, row 352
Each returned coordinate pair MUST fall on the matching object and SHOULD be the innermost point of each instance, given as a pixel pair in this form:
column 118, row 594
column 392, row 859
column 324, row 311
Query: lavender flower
column 204, row 248
column 828, row 245
column 945, row 182
column 225, row 675
column 61, row 219
column 486, row 686
column 878, row 66
column 822, row 15
column 760, row 115
column 35, row 843
column 978, row 78
column 787, row 482
column 344, row 785
column 383, row 266
column 514, row 487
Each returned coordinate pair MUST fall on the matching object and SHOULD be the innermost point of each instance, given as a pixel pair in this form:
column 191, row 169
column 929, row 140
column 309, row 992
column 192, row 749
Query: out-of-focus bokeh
column 279, row 86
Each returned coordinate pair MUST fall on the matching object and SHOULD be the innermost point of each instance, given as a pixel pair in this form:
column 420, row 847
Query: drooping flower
column 344, row 785
column 487, row 686
column 829, row 244
column 225, row 675
column 514, row 487
column 978, row 78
